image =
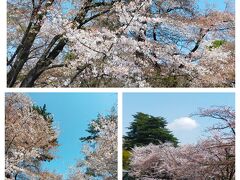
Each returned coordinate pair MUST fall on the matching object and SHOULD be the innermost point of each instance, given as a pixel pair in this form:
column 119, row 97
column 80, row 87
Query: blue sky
column 175, row 106
column 72, row 114
column 218, row 4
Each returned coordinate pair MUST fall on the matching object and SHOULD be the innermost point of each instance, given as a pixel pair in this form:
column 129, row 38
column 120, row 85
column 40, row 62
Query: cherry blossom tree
column 119, row 43
column 100, row 151
column 30, row 138
column 211, row 158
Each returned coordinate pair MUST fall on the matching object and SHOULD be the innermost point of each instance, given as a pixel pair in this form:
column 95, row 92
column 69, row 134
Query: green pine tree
column 42, row 110
column 146, row 129
column 93, row 133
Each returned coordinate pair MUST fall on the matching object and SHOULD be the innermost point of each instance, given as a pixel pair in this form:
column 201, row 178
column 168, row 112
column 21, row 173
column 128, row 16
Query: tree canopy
column 30, row 138
column 93, row 132
column 100, row 150
column 146, row 129
column 119, row 43
column 210, row 158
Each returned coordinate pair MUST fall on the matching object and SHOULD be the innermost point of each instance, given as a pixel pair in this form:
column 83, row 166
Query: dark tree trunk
column 43, row 63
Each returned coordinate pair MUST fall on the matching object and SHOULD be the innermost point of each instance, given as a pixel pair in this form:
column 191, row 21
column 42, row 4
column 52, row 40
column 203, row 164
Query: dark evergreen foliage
column 146, row 129
column 93, row 133
column 43, row 111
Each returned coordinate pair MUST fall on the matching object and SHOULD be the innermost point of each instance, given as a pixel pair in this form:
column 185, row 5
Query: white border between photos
column 237, row 89
column 3, row 39
column 120, row 92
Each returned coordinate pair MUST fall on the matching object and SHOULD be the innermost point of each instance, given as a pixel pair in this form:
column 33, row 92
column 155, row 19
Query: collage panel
column 178, row 136
column 55, row 136
column 137, row 43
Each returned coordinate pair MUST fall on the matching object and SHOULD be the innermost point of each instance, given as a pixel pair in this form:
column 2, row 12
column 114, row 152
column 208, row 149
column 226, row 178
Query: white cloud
column 183, row 123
